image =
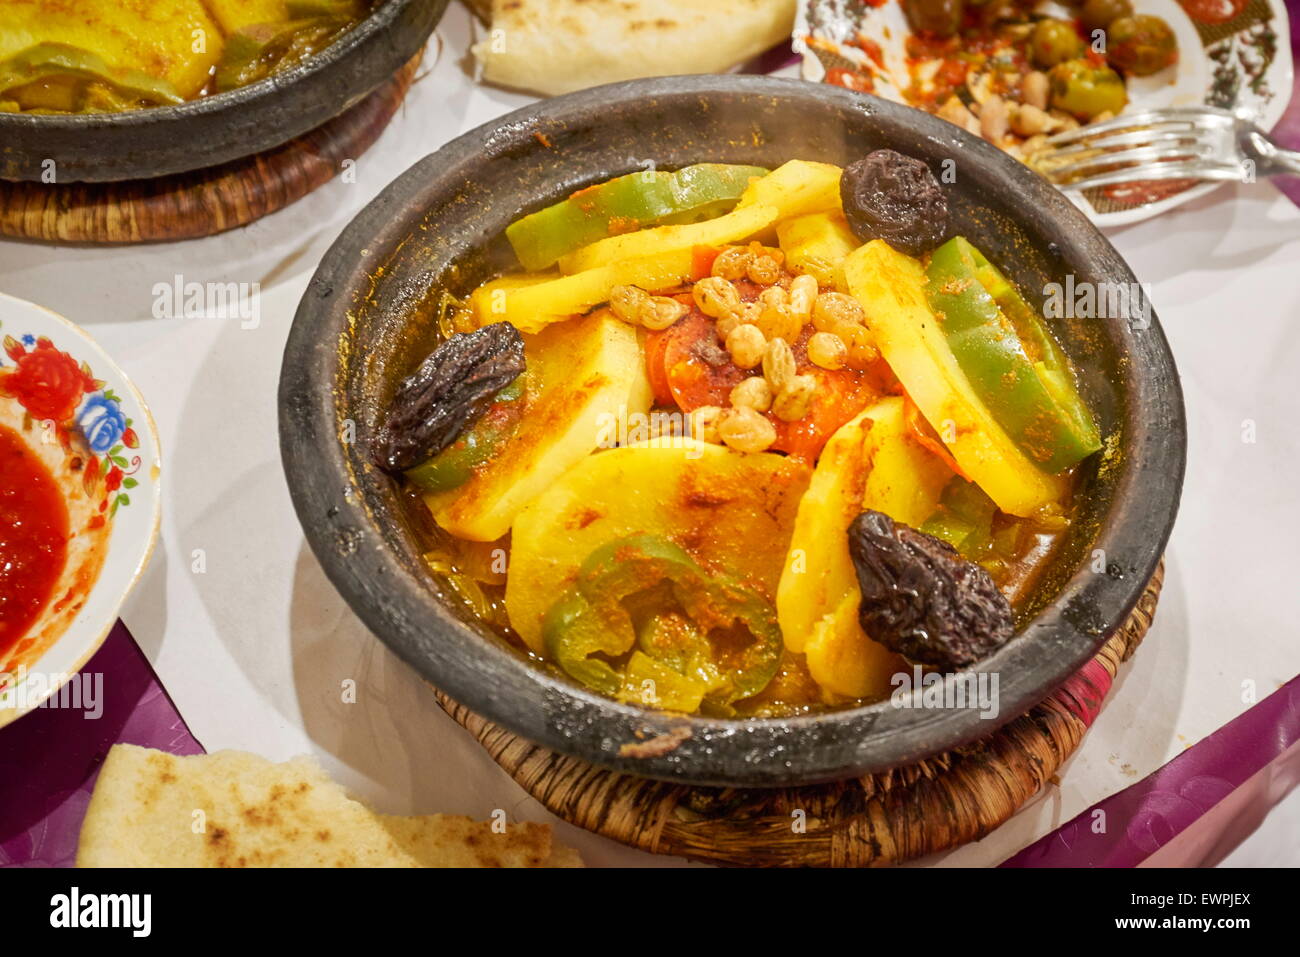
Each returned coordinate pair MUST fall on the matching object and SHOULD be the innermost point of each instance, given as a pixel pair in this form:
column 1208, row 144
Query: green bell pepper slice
column 1009, row 358
column 645, row 622
column 479, row 444
column 964, row 518
column 627, row 203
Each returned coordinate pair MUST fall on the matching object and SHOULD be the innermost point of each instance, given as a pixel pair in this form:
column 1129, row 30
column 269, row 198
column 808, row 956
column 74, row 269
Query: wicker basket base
column 886, row 818
column 203, row 202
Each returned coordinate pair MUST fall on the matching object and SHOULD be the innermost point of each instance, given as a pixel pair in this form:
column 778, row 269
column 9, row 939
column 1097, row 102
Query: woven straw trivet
column 885, row 818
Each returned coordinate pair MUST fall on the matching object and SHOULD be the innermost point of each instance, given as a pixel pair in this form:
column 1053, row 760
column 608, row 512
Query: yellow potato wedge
column 733, row 512
column 155, row 37
column 818, row 572
column 872, row 462
column 817, row 245
column 796, row 188
column 891, row 288
column 731, row 228
column 531, row 307
column 580, row 374
column 904, row 479
column 844, row 661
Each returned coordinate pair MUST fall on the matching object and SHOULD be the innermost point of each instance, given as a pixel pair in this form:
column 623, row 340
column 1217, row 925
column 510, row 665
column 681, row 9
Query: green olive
column 1140, row 45
column 1084, row 90
column 1097, row 14
column 941, row 18
column 1053, row 42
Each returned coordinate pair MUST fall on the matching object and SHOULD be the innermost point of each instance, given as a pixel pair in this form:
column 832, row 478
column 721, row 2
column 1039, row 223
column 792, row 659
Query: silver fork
column 1199, row 142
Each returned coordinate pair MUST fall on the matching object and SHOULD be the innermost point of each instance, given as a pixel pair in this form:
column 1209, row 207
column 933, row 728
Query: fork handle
column 1270, row 159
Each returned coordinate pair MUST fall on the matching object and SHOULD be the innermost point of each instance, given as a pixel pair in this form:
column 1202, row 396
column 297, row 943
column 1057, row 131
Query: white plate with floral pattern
column 1234, row 54
column 66, row 404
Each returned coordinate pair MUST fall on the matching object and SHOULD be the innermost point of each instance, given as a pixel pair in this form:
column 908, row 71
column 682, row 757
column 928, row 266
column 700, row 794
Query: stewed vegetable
column 694, row 471
column 99, row 56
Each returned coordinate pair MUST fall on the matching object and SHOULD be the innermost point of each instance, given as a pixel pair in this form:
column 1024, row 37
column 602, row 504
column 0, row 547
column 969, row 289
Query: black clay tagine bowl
column 203, row 133
column 366, row 320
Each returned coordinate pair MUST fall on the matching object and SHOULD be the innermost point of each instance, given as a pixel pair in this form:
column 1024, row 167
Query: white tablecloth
column 255, row 649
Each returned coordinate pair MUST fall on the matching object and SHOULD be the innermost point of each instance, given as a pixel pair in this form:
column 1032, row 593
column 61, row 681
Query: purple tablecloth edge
column 1126, row 828
column 1287, row 130
column 49, row 759
column 138, row 710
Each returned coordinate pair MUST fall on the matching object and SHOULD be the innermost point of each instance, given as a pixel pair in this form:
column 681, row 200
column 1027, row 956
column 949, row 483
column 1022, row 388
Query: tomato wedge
column 689, row 368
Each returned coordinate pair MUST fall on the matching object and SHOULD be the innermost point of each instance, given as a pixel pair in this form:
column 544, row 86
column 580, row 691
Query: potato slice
column 817, row 245
column 733, row 512
column 891, row 288
column 531, row 307
column 155, row 37
column 904, row 480
column 796, row 188
column 818, row 571
column 844, row 661
column 872, row 461
column 581, row 375
column 733, row 227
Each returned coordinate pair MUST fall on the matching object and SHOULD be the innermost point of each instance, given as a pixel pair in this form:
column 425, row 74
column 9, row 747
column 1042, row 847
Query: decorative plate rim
column 93, row 632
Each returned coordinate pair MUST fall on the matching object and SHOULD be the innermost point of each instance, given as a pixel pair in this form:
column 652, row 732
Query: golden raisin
column 827, row 350
column 626, row 302
column 795, row 400
column 830, row 309
column 752, row 393
column 704, row 424
column 763, row 270
column 778, row 364
column 861, row 345
column 660, row 312
column 716, row 297
column 803, row 293
column 746, row 343
column 731, row 263
column 746, row 430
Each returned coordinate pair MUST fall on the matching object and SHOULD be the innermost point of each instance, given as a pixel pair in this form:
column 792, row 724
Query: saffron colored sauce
column 33, row 537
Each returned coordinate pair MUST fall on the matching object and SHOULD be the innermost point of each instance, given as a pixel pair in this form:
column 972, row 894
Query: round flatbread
column 558, row 46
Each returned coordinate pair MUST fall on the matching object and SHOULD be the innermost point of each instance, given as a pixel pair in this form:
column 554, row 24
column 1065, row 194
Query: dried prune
column 447, row 393
column 893, row 197
column 921, row 599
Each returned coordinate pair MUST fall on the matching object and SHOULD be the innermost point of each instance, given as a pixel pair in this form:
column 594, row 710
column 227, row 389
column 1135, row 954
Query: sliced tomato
column 697, row 368
column 702, row 260
column 840, row 396
column 689, row 368
column 656, row 343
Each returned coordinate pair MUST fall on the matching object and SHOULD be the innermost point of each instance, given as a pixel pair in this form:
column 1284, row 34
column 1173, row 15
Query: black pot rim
column 530, row 702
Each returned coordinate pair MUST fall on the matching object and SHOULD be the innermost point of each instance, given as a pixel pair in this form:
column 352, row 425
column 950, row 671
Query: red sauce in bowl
column 33, row 537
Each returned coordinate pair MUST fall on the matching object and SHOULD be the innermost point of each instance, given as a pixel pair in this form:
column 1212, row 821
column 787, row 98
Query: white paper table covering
column 255, row 649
